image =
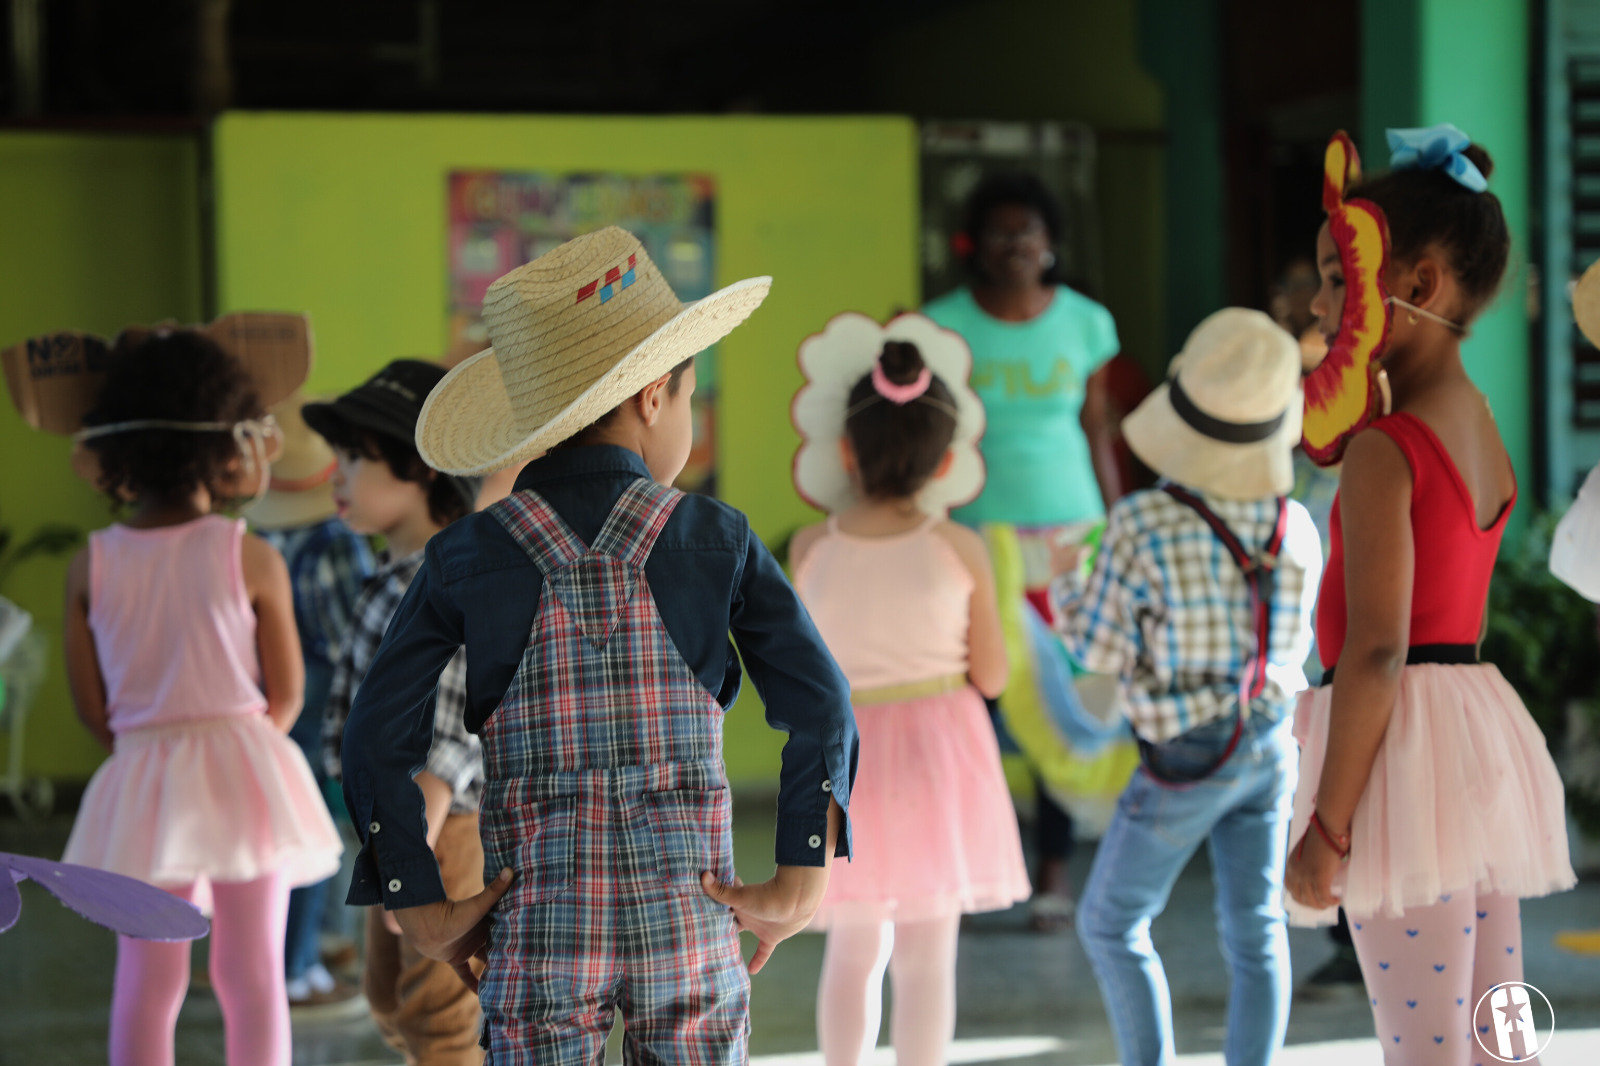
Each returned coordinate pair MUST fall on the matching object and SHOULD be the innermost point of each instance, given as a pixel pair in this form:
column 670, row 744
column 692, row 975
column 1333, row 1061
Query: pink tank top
column 893, row 610
column 172, row 623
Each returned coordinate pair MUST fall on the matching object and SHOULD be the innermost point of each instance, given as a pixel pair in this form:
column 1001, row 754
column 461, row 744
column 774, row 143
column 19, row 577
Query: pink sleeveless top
column 172, row 623
column 893, row 610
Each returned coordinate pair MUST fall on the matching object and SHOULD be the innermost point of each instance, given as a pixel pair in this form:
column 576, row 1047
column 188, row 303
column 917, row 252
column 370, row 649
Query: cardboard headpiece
column 833, row 361
column 1347, row 389
column 55, row 379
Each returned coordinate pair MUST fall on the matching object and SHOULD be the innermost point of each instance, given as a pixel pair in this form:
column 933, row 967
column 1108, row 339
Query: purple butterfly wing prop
column 123, row 904
column 10, row 898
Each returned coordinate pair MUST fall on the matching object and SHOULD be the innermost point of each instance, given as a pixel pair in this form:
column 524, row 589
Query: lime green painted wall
column 344, row 217
column 1466, row 62
column 95, row 232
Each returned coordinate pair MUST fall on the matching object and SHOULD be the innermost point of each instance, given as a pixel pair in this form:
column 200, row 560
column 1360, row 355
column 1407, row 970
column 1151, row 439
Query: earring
column 1411, row 317
column 1048, row 260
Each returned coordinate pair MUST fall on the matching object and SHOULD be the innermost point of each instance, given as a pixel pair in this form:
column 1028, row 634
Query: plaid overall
column 606, row 794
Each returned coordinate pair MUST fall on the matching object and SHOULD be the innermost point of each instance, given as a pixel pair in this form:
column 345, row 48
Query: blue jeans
column 307, row 905
column 1243, row 809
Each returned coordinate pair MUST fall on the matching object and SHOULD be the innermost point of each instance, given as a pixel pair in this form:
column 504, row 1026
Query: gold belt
column 911, row 690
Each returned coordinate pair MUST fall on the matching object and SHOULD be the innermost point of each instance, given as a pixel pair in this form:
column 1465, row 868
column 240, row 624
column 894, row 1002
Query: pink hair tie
column 900, row 395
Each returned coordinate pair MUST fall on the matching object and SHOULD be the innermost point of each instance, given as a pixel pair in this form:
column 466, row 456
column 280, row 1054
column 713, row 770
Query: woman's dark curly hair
column 445, row 500
column 179, row 376
column 899, row 447
column 1428, row 208
column 1013, row 188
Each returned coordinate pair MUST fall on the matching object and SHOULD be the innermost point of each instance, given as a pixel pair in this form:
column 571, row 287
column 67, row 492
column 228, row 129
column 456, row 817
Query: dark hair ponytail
column 1428, row 207
column 899, row 446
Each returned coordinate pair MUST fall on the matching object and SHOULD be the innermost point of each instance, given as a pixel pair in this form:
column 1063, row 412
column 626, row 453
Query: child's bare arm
column 987, row 665
column 283, row 671
column 88, row 684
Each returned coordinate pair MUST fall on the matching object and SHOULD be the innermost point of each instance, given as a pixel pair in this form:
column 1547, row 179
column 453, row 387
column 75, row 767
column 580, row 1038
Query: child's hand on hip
column 454, row 931
column 1067, row 558
column 774, row 910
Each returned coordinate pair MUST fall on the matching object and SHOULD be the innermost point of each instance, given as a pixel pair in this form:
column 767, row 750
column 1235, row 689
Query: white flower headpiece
column 833, row 361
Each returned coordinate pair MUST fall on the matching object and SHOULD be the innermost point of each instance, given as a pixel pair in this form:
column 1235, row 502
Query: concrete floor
column 1023, row 997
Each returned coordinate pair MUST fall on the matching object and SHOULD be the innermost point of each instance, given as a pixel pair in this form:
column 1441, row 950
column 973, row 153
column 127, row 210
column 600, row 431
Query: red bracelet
column 1339, row 842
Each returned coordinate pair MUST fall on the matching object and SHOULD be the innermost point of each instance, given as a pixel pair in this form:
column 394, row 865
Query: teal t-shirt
column 1031, row 376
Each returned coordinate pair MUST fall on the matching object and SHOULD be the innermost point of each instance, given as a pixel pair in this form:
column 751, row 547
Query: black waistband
column 1435, row 654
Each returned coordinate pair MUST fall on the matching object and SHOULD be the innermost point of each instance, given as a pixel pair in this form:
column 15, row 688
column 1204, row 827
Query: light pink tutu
column 1463, row 797
column 216, row 799
column 932, row 826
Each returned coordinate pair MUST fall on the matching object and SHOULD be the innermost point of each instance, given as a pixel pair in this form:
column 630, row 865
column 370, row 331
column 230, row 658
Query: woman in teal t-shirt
column 1038, row 352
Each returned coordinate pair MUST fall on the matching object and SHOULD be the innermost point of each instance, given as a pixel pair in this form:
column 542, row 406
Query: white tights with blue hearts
column 1427, row 969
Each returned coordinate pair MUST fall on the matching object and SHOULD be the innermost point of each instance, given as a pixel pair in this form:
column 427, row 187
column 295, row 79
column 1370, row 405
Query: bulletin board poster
column 500, row 220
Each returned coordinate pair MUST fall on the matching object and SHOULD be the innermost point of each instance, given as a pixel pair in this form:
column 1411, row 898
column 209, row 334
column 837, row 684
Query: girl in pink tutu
column 906, row 602
column 184, row 664
column 1428, row 803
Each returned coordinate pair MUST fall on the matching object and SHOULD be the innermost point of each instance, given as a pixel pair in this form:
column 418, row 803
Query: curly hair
column 1014, row 188
column 1428, row 208
column 181, row 376
column 898, row 448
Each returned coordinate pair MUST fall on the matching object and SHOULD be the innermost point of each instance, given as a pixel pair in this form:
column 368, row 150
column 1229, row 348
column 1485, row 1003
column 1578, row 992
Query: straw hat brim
column 468, row 425
column 1177, row 451
column 291, row 510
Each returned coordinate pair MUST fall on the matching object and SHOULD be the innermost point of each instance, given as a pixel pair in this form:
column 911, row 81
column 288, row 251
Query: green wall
column 95, row 232
column 344, row 217
column 1466, row 62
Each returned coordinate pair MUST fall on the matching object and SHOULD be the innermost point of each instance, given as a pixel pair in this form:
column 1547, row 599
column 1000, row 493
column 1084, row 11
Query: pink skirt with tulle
column 933, row 830
column 1463, row 796
column 217, row 799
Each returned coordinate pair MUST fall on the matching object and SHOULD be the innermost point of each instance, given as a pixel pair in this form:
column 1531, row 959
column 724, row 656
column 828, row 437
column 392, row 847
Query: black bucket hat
column 388, row 404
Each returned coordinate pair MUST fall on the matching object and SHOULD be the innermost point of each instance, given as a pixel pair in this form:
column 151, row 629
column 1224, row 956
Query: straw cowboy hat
column 301, row 490
column 1227, row 419
column 574, row 333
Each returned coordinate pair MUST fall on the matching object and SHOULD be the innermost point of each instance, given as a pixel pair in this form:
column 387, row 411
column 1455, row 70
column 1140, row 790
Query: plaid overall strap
column 636, row 522
column 534, row 524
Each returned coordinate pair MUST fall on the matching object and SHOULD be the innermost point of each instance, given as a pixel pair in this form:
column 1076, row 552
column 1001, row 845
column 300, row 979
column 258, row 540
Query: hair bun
column 1480, row 158
column 901, row 362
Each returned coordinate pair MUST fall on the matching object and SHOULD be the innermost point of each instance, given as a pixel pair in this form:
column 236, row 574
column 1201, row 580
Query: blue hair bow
column 1436, row 148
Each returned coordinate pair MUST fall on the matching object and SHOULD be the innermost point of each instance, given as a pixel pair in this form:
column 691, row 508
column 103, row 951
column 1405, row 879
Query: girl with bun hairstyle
column 905, row 600
column 1428, row 804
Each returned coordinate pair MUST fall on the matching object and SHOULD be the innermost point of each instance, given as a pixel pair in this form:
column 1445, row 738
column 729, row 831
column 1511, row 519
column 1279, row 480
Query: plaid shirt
column 1168, row 611
column 455, row 756
column 328, row 567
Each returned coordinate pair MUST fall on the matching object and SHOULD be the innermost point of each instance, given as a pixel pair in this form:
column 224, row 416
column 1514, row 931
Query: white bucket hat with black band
column 1227, row 419
column 574, row 333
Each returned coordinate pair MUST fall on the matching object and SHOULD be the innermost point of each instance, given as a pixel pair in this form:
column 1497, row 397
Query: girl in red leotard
column 1428, row 804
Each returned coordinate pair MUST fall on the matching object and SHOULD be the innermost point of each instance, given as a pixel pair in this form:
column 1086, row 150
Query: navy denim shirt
column 709, row 576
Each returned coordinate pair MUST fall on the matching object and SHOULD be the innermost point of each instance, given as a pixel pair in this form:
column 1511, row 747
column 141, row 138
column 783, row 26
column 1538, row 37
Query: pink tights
column 1426, row 970
column 246, row 972
column 921, row 959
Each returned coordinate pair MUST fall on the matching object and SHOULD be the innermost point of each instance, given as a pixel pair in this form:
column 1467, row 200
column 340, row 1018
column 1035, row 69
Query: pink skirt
column 215, row 799
column 1463, row 797
column 933, row 830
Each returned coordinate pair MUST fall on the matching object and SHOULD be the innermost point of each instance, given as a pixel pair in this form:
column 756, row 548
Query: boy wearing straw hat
column 596, row 605
column 1200, row 601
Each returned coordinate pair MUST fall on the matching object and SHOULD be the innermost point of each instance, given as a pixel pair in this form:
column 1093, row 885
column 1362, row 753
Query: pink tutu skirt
column 1463, row 797
column 932, row 826
column 215, row 799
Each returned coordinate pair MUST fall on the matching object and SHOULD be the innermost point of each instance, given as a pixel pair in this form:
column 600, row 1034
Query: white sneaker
column 320, row 979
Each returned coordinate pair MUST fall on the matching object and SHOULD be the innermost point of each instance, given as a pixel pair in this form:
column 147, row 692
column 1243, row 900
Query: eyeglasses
column 1000, row 238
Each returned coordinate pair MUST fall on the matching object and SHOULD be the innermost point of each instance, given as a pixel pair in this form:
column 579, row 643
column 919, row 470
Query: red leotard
column 1454, row 558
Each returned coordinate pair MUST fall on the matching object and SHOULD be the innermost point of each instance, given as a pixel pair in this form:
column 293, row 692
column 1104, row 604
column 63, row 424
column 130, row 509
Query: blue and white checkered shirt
column 328, row 567
column 1167, row 610
column 455, row 756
